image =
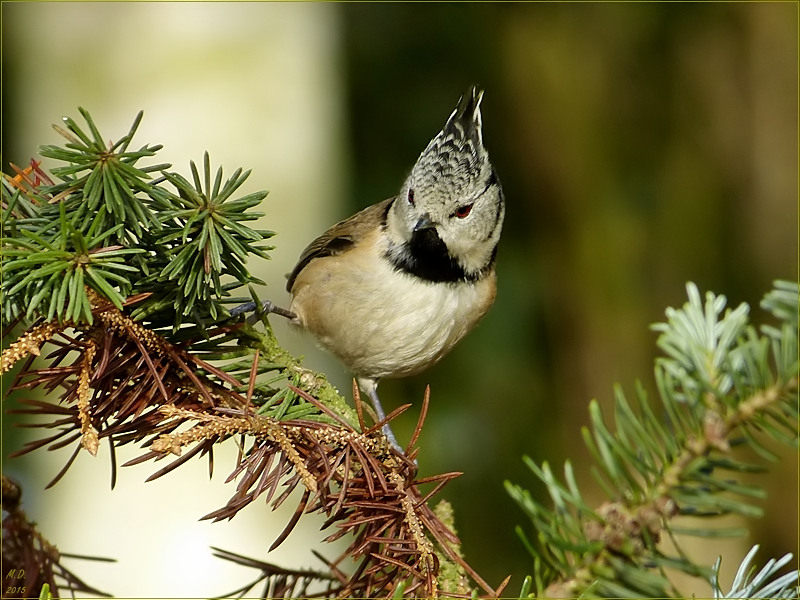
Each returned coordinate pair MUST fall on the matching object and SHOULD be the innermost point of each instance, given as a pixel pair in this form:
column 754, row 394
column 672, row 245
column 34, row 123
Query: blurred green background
column 639, row 145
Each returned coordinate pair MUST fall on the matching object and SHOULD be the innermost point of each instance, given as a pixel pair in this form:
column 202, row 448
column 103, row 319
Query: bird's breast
column 382, row 322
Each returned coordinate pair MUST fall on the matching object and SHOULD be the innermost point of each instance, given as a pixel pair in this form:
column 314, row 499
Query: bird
column 391, row 290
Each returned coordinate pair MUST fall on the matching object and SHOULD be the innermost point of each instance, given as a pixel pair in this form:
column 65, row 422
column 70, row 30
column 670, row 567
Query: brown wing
column 341, row 237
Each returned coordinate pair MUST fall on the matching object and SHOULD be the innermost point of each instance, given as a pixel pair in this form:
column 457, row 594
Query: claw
column 266, row 307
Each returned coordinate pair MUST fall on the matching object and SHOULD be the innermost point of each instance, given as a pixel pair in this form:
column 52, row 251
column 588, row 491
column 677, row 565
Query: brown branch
column 120, row 380
column 29, row 560
column 28, row 344
column 354, row 478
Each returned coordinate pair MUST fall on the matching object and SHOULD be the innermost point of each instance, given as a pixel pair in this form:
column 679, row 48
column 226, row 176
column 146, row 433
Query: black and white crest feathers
column 457, row 150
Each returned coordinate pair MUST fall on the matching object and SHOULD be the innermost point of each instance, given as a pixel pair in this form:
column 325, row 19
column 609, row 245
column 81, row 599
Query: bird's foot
column 370, row 386
column 266, row 307
column 387, row 431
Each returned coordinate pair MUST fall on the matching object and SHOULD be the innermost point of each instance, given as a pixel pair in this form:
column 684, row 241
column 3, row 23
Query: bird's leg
column 371, row 387
column 266, row 307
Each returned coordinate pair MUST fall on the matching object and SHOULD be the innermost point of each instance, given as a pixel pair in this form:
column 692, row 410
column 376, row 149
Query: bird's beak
column 424, row 223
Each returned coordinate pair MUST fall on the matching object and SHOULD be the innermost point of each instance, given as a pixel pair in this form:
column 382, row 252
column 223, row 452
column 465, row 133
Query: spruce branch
column 279, row 582
column 119, row 283
column 30, row 562
column 202, row 240
column 764, row 584
column 721, row 385
column 105, row 223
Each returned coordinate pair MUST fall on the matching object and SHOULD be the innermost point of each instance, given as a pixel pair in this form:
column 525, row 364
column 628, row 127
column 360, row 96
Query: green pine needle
column 108, row 225
column 721, row 384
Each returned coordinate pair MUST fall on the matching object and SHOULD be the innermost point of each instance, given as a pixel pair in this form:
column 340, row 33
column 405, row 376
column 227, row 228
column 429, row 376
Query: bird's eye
column 411, row 197
column 463, row 211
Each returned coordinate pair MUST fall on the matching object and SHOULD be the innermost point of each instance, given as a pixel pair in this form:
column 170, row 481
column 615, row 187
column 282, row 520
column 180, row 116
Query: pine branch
column 721, row 385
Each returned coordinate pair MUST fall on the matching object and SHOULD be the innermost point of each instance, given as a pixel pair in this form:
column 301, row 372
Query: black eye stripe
column 492, row 181
column 498, row 214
